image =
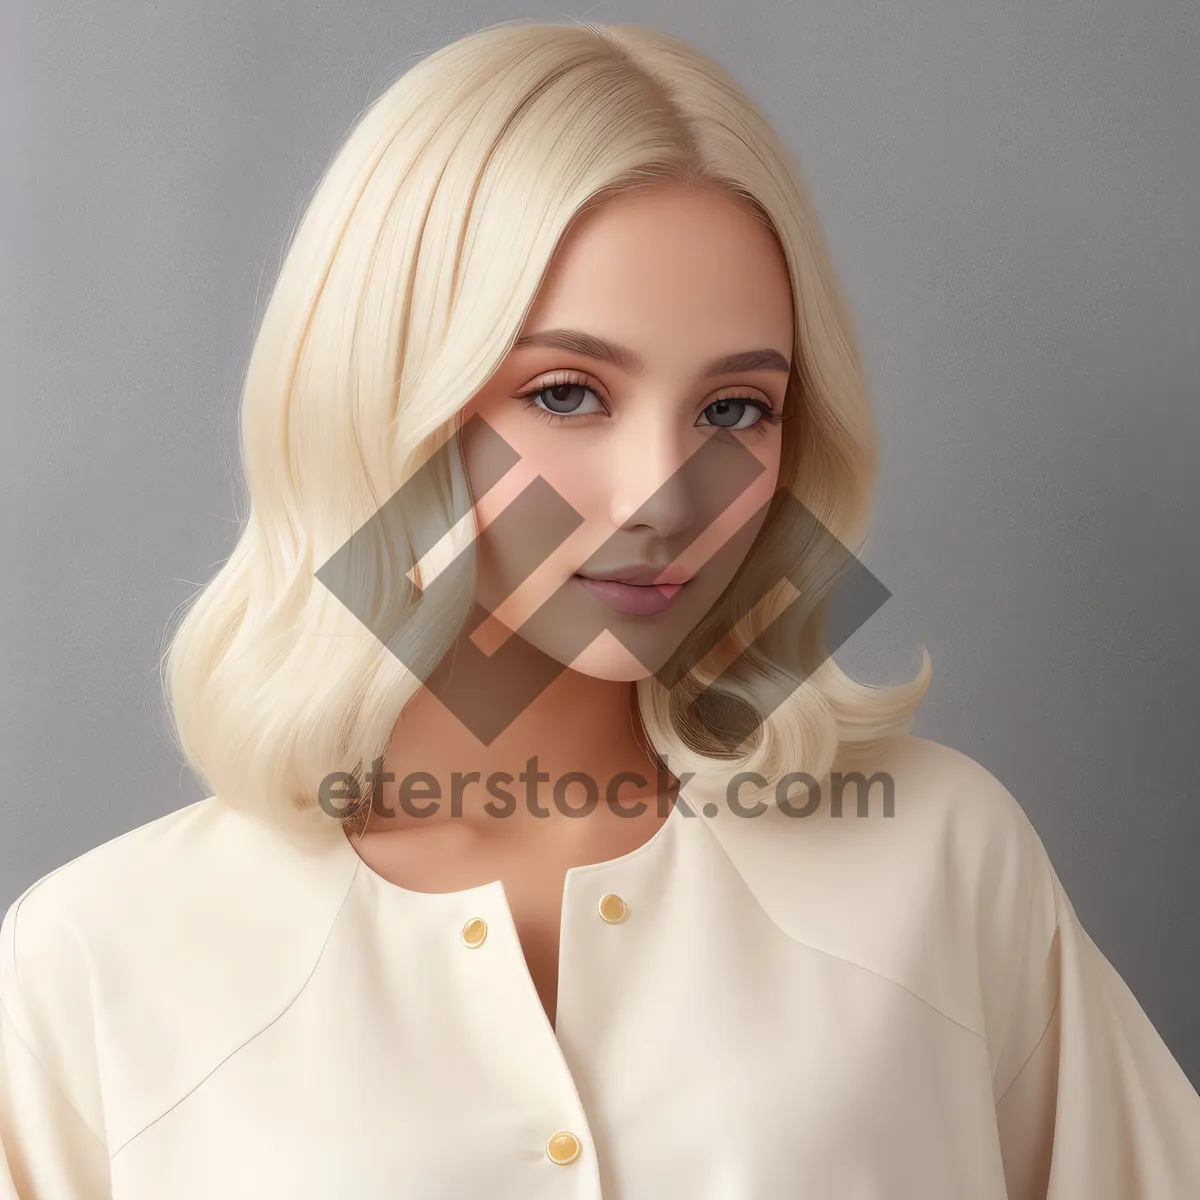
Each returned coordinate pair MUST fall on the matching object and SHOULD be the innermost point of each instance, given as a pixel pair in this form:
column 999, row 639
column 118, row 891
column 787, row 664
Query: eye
column 564, row 395
column 732, row 413
column 565, row 399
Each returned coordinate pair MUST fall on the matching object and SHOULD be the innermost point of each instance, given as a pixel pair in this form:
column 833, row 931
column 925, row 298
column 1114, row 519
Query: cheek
column 574, row 476
column 567, row 463
column 539, row 523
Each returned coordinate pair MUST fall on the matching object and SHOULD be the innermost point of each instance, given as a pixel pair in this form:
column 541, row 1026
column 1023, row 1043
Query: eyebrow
column 621, row 356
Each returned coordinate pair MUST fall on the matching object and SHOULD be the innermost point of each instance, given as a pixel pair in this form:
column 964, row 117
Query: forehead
column 664, row 266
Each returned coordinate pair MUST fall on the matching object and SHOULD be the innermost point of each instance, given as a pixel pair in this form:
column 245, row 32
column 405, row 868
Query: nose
column 650, row 490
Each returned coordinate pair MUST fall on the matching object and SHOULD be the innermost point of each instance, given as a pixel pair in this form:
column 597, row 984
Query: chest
column 535, row 905
column 532, row 873
column 699, row 1051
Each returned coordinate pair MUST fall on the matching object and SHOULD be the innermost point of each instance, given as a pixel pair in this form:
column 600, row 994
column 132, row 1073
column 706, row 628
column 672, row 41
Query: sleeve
column 49, row 1149
column 1090, row 1101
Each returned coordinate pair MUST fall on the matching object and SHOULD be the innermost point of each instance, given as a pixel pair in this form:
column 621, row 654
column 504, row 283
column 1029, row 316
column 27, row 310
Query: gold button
column 563, row 1147
column 474, row 933
column 613, row 909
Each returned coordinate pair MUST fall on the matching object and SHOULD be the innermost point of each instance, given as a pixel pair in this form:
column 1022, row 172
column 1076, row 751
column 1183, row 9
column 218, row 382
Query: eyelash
column 768, row 415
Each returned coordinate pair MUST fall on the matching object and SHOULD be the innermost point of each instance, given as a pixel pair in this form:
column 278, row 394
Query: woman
column 553, row 433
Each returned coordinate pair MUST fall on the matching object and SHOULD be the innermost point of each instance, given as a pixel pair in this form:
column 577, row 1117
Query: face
column 646, row 390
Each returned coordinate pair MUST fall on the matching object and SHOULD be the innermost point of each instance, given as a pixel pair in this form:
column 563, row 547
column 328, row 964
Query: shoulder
column 203, row 868
column 137, row 966
column 907, row 806
column 87, row 888
column 911, row 860
column 936, row 786
column 931, row 811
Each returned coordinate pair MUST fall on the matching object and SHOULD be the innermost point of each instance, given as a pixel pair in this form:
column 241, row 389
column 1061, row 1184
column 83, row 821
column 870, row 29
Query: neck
column 579, row 726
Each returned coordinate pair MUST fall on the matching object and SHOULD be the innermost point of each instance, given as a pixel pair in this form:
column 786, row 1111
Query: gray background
column 1011, row 195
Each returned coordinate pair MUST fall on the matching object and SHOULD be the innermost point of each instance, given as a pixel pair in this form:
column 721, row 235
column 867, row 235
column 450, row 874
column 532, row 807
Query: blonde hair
column 404, row 286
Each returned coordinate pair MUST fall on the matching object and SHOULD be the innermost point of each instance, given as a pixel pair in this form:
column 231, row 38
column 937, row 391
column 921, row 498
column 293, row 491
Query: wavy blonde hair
column 404, row 286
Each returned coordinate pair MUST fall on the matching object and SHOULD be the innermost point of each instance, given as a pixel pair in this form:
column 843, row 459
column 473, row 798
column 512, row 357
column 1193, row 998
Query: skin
column 678, row 276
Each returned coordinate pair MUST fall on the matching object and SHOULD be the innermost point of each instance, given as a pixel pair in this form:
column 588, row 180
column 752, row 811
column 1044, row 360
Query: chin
column 613, row 673
column 607, row 659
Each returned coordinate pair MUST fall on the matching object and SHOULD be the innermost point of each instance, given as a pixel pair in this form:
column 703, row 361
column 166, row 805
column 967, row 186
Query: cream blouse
column 843, row 1008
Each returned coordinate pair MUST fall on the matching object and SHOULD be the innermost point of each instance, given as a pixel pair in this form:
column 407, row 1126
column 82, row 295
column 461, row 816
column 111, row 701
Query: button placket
column 606, row 907
column 489, row 928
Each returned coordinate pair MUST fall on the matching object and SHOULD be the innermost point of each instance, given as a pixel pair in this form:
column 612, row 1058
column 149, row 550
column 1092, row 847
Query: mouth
column 636, row 599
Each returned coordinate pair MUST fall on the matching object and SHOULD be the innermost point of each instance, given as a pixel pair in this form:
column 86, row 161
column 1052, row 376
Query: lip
column 639, row 573
column 639, row 600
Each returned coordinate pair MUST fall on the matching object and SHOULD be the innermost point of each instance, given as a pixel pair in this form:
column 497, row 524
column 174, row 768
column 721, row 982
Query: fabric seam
column 1044, row 862
column 1029, row 1056
column 799, row 941
column 257, row 1033
column 49, row 1077
column 1024, row 959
